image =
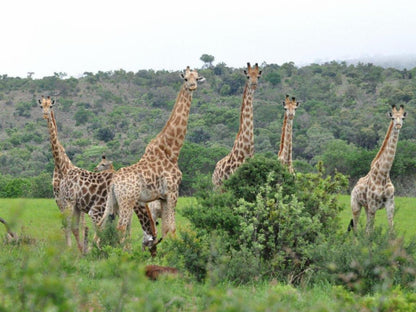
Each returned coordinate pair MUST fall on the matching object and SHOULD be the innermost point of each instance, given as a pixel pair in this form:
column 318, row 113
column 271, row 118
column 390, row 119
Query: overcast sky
column 47, row 36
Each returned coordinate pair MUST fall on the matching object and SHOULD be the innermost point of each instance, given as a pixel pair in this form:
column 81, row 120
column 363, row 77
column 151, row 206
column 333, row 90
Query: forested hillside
column 341, row 119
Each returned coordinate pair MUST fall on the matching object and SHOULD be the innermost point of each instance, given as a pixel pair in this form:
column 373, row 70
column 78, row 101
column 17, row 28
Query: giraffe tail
column 350, row 225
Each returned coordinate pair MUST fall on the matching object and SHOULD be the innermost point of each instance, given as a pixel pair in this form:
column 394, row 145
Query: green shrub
column 266, row 221
column 366, row 263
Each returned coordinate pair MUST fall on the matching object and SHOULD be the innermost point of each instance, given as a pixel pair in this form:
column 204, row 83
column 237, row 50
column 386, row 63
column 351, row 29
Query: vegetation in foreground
column 267, row 245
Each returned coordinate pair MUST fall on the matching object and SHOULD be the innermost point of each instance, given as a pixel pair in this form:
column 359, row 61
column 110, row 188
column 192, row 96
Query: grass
column 42, row 220
column 45, row 275
column 405, row 214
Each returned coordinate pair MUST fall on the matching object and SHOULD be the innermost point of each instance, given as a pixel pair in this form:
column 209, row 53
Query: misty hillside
column 341, row 120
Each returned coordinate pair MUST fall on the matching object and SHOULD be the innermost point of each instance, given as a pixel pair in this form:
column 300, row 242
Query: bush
column 366, row 263
column 266, row 221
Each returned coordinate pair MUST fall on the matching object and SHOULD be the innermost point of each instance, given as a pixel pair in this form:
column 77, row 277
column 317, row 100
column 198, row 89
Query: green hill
column 342, row 118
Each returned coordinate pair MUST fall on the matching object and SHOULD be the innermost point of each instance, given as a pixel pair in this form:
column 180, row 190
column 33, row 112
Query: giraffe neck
column 285, row 152
column 171, row 138
column 62, row 161
column 244, row 141
column 385, row 157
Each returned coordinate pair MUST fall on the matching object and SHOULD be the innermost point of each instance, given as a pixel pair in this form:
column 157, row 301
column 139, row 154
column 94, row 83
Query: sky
column 77, row 36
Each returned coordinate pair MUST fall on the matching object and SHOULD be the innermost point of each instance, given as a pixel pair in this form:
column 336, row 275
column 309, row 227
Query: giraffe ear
column 245, row 72
column 182, row 76
column 389, row 114
column 200, row 79
column 260, row 71
column 53, row 102
column 404, row 115
column 297, row 104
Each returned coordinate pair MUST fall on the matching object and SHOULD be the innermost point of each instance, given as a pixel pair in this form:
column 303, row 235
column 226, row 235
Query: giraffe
column 243, row 147
column 156, row 176
column 154, row 206
column 375, row 190
column 61, row 161
column 77, row 190
column 104, row 165
column 285, row 151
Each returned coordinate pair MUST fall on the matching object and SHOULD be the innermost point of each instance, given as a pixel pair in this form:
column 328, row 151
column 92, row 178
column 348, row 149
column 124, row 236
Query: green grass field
column 404, row 217
column 46, row 276
column 41, row 219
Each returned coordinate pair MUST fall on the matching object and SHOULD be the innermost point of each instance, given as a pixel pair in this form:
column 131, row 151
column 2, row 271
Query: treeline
column 341, row 121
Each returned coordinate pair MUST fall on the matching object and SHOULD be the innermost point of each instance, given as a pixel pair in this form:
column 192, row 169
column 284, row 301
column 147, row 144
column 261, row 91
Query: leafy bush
column 366, row 263
column 267, row 219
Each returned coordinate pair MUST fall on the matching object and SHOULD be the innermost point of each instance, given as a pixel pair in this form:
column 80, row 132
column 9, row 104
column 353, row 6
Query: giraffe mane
column 383, row 146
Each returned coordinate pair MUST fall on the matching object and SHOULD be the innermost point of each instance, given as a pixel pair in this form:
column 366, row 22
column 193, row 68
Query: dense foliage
column 342, row 118
column 264, row 229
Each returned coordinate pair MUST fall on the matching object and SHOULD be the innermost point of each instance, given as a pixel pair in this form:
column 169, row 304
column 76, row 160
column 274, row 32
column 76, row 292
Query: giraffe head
column 253, row 74
column 191, row 79
column 46, row 104
column 397, row 116
column 290, row 106
column 104, row 165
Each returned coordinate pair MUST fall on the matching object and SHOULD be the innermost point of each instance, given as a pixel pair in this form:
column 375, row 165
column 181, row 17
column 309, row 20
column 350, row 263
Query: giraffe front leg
column 390, row 212
column 66, row 224
column 356, row 211
column 126, row 210
column 75, row 227
column 168, row 214
column 371, row 213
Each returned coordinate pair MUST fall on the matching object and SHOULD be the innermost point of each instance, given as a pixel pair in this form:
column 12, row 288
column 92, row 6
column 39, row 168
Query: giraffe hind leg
column 356, row 211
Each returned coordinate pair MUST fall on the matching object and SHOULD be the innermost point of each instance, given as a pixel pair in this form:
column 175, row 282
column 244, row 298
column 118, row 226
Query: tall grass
column 42, row 274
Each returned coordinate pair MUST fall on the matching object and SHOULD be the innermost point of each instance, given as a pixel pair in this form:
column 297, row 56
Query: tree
column 207, row 59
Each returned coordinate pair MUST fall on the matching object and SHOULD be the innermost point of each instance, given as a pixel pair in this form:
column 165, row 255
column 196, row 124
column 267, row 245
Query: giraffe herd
column 150, row 187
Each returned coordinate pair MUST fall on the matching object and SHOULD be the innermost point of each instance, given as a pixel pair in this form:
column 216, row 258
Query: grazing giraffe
column 77, row 190
column 375, row 190
column 156, row 176
column 243, row 147
column 285, row 151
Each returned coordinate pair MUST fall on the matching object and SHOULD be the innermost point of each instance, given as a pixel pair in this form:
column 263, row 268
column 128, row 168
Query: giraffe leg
column 356, row 211
column 66, row 224
column 371, row 213
column 75, row 227
column 82, row 226
column 390, row 212
column 168, row 214
column 126, row 210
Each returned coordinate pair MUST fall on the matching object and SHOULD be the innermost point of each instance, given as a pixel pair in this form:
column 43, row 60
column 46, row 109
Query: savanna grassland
column 272, row 241
column 39, row 273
